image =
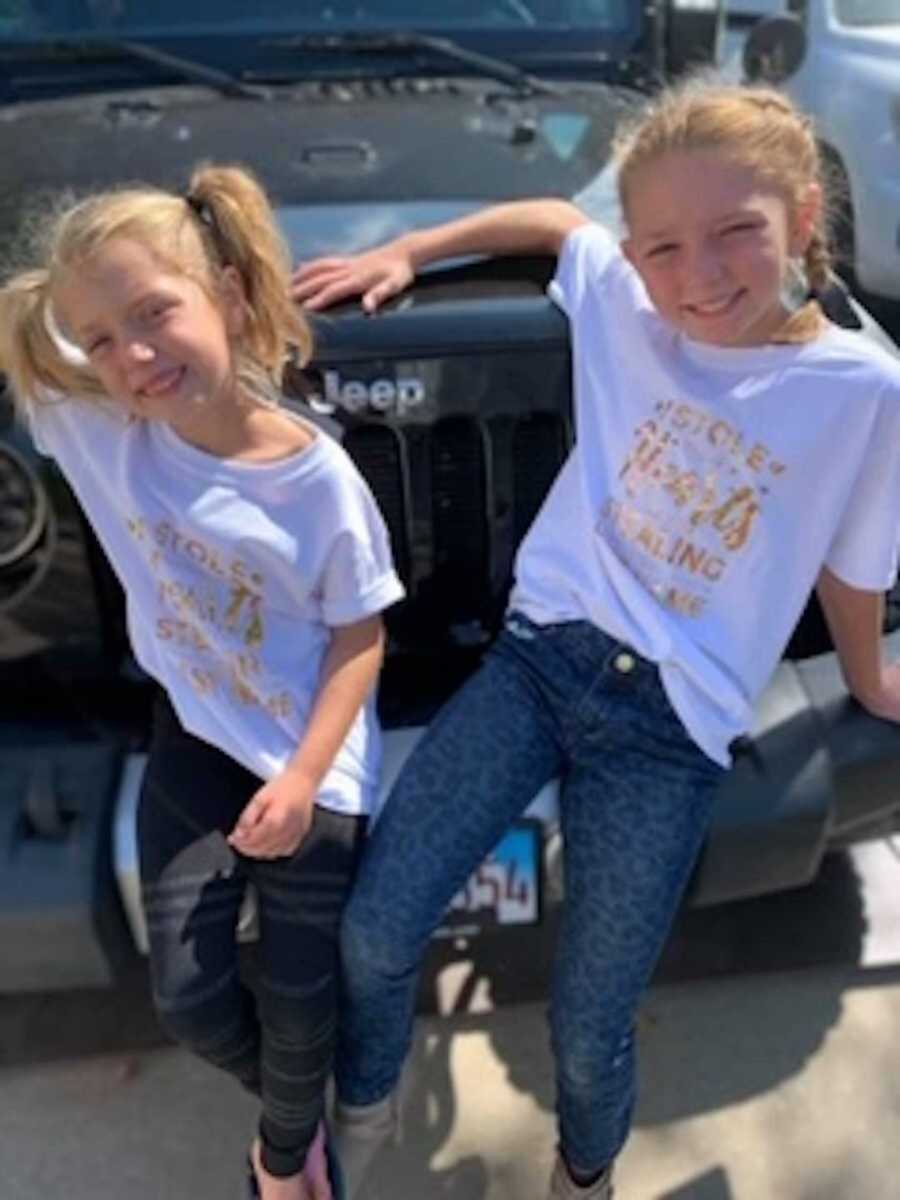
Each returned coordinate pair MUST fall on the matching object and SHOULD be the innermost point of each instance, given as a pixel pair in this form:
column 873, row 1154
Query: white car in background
column 840, row 61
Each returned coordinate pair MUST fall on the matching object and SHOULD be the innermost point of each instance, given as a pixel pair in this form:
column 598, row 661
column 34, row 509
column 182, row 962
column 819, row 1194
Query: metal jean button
column 624, row 662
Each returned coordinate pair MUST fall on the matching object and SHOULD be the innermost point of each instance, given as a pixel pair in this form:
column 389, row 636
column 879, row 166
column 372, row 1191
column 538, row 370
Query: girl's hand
column 277, row 818
column 376, row 276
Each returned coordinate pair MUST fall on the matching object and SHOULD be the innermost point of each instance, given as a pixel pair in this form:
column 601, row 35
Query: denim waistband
column 584, row 641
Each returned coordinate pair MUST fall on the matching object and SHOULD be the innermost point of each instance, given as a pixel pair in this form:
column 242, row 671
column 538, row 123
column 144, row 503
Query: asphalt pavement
column 781, row 1086
column 769, row 1051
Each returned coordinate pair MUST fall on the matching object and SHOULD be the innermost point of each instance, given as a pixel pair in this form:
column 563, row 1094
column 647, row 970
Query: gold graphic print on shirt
column 692, row 491
column 212, row 610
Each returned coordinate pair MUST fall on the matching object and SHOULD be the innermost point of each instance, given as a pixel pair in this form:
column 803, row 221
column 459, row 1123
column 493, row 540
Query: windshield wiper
column 410, row 43
column 186, row 68
column 192, row 71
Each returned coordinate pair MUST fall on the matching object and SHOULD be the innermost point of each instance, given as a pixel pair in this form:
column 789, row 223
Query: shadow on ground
column 767, row 1035
column 820, row 925
column 712, row 1185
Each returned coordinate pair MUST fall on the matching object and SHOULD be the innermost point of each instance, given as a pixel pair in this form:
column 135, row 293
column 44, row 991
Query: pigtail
column 238, row 226
column 817, row 261
column 30, row 356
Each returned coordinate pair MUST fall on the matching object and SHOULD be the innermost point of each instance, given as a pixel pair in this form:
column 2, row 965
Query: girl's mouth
column 162, row 384
column 713, row 309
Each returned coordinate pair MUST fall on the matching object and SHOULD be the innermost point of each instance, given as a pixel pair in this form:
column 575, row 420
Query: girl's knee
column 201, row 1014
column 199, row 1027
column 369, row 951
column 361, row 954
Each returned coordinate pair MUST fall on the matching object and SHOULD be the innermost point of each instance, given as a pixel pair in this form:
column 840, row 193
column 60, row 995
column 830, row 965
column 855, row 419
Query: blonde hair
column 755, row 126
column 224, row 220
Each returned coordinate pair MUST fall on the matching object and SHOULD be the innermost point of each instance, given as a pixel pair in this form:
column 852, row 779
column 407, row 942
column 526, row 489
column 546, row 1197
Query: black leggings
column 278, row 1040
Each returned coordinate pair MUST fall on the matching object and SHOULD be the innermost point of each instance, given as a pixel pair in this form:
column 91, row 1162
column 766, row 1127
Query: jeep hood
column 346, row 165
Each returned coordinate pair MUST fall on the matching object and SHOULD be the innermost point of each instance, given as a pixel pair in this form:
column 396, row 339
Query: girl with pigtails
column 145, row 350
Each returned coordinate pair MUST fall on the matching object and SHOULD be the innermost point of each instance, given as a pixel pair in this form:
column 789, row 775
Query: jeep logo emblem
column 394, row 397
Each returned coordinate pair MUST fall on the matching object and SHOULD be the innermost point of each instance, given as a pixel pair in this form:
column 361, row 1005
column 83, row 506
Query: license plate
column 505, row 889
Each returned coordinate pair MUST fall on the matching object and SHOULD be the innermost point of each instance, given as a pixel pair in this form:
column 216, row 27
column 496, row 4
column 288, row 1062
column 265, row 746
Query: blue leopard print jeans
column 567, row 701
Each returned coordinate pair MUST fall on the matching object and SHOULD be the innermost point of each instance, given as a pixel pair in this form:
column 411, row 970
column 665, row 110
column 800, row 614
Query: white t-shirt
column 234, row 574
column 706, row 488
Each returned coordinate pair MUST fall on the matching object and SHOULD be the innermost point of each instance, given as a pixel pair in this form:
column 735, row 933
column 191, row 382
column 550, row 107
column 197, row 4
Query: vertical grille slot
column 380, row 453
column 461, row 514
column 540, row 445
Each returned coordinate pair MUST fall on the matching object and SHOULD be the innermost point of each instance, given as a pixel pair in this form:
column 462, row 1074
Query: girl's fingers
column 316, row 275
column 248, row 821
column 326, row 281
column 310, row 290
column 260, row 844
column 267, row 842
column 317, row 266
column 377, row 295
column 331, row 293
column 264, row 839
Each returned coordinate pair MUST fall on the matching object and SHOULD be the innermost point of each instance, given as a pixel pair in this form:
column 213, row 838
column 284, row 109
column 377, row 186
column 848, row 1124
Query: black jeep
column 363, row 118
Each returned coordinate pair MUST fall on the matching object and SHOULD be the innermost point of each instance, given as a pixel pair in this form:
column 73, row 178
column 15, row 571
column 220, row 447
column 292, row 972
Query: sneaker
column 563, row 1186
column 357, row 1133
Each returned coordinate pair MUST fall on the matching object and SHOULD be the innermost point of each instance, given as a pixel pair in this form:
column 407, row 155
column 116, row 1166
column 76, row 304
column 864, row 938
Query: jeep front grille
column 540, row 444
column 381, row 452
column 461, row 513
column 457, row 497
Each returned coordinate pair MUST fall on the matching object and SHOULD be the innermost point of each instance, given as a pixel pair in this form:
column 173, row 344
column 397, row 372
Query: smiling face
column 711, row 240
column 155, row 339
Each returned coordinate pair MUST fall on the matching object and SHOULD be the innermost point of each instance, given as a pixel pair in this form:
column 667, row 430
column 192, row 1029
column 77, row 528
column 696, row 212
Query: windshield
column 138, row 18
column 868, row 12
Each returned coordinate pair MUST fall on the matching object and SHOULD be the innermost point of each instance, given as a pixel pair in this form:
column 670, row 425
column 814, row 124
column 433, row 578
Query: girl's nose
column 706, row 263
column 139, row 352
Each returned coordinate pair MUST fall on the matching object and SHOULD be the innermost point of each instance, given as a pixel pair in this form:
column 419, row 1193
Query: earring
column 795, row 286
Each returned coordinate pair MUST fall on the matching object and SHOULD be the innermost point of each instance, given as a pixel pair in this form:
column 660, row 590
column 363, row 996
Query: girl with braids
column 146, row 353
column 733, row 451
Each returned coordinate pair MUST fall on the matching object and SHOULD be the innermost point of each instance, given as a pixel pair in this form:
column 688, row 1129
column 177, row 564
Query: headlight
column 23, row 507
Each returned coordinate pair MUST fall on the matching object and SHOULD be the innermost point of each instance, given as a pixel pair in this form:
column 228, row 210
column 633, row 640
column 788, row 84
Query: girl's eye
column 97, row 346
column 741, row 227
column 659, row 251
column 154, row 311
